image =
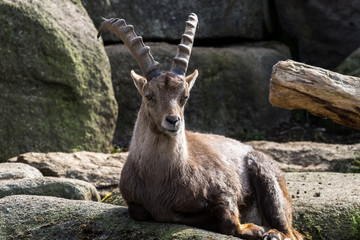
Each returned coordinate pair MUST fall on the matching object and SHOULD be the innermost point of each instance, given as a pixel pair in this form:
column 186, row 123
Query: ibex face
column 164, row 99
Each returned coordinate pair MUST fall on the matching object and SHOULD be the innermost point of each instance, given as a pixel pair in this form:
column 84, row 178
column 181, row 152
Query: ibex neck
column 157, row 150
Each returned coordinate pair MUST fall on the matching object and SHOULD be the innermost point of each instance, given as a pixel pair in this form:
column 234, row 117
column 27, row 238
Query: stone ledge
column 326, row 205
column 50, row 186
column 101, row 169
column 310, row 156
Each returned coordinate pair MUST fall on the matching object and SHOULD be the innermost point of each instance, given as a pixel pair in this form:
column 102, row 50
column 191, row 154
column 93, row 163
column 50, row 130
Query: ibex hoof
column 274, row 235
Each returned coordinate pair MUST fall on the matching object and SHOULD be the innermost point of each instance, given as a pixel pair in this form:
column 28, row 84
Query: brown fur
column 202, row 180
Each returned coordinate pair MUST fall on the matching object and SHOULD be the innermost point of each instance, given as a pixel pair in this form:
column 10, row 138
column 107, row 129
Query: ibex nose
column 172, row 119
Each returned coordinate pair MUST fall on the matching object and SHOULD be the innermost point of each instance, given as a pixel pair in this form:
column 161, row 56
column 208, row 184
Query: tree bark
column 322, row 92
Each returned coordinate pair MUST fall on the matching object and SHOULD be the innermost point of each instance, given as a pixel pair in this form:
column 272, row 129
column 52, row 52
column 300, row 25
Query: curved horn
column 181, row 60
column 135, row 44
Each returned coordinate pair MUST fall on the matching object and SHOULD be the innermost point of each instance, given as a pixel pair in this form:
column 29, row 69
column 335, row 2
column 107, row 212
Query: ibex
column 202, row 180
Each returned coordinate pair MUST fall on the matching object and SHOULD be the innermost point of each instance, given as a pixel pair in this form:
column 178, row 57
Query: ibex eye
column 184, row 97
column 148, row 97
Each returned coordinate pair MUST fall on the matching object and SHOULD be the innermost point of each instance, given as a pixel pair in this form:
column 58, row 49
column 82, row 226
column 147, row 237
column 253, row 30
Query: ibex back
column 202, row 180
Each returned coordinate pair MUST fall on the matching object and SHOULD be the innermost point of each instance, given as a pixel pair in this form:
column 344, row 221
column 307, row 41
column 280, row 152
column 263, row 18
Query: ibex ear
column 190, row 79
column 139, row 81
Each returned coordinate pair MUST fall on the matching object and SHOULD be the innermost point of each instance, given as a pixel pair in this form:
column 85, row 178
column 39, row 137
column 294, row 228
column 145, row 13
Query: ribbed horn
column 181, row 60
column 135, row 44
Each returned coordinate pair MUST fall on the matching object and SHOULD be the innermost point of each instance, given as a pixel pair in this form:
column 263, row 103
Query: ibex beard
column 202, row 180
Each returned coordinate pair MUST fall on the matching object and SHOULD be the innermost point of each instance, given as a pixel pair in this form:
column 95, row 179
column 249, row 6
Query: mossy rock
column 351, row 64
column 56, row 91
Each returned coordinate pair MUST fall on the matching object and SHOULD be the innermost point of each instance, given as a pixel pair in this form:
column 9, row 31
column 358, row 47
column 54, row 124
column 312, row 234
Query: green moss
column 114, row 198
column 309, row 227
column 352, row 166
column 333, row 224
column 355, row 164
column 356, row 224
column 116, row 150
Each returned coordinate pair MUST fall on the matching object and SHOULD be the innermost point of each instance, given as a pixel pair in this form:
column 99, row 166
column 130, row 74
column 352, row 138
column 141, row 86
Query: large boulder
column 165, row 19
column 324, row 31
column 230, row 96
column 12, row 171
column 56, row 92
column 311, row 156
column 101, row 170
column 50, row 186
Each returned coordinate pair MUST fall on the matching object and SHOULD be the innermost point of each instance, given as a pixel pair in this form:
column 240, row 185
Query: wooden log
column 322, row 92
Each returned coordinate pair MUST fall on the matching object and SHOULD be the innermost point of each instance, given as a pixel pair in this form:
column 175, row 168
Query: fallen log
column 323, row 93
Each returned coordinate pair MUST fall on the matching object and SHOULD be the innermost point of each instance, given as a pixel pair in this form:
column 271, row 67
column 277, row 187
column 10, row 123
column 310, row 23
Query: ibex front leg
column 228, row 223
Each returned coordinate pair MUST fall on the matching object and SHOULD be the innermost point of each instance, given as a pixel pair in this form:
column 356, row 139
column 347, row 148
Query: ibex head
column 164, row 93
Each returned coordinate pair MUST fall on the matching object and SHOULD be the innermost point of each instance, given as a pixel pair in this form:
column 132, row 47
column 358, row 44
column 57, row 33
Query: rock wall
column 221, row 102
column 230, row 96
column 164, row 20
column 56, row 88
column 324, row 31
column 320, row 33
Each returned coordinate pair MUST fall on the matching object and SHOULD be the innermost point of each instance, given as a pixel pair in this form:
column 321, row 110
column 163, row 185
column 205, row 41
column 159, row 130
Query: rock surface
column 230, row 96
column 102, row 170
column 17, row 171
column 326, row 206
column 36, row 217
column 351, row 64
column 56, row 91
column 165, row 19
column 50, row 186
column 325, row 31
column 310, row 156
